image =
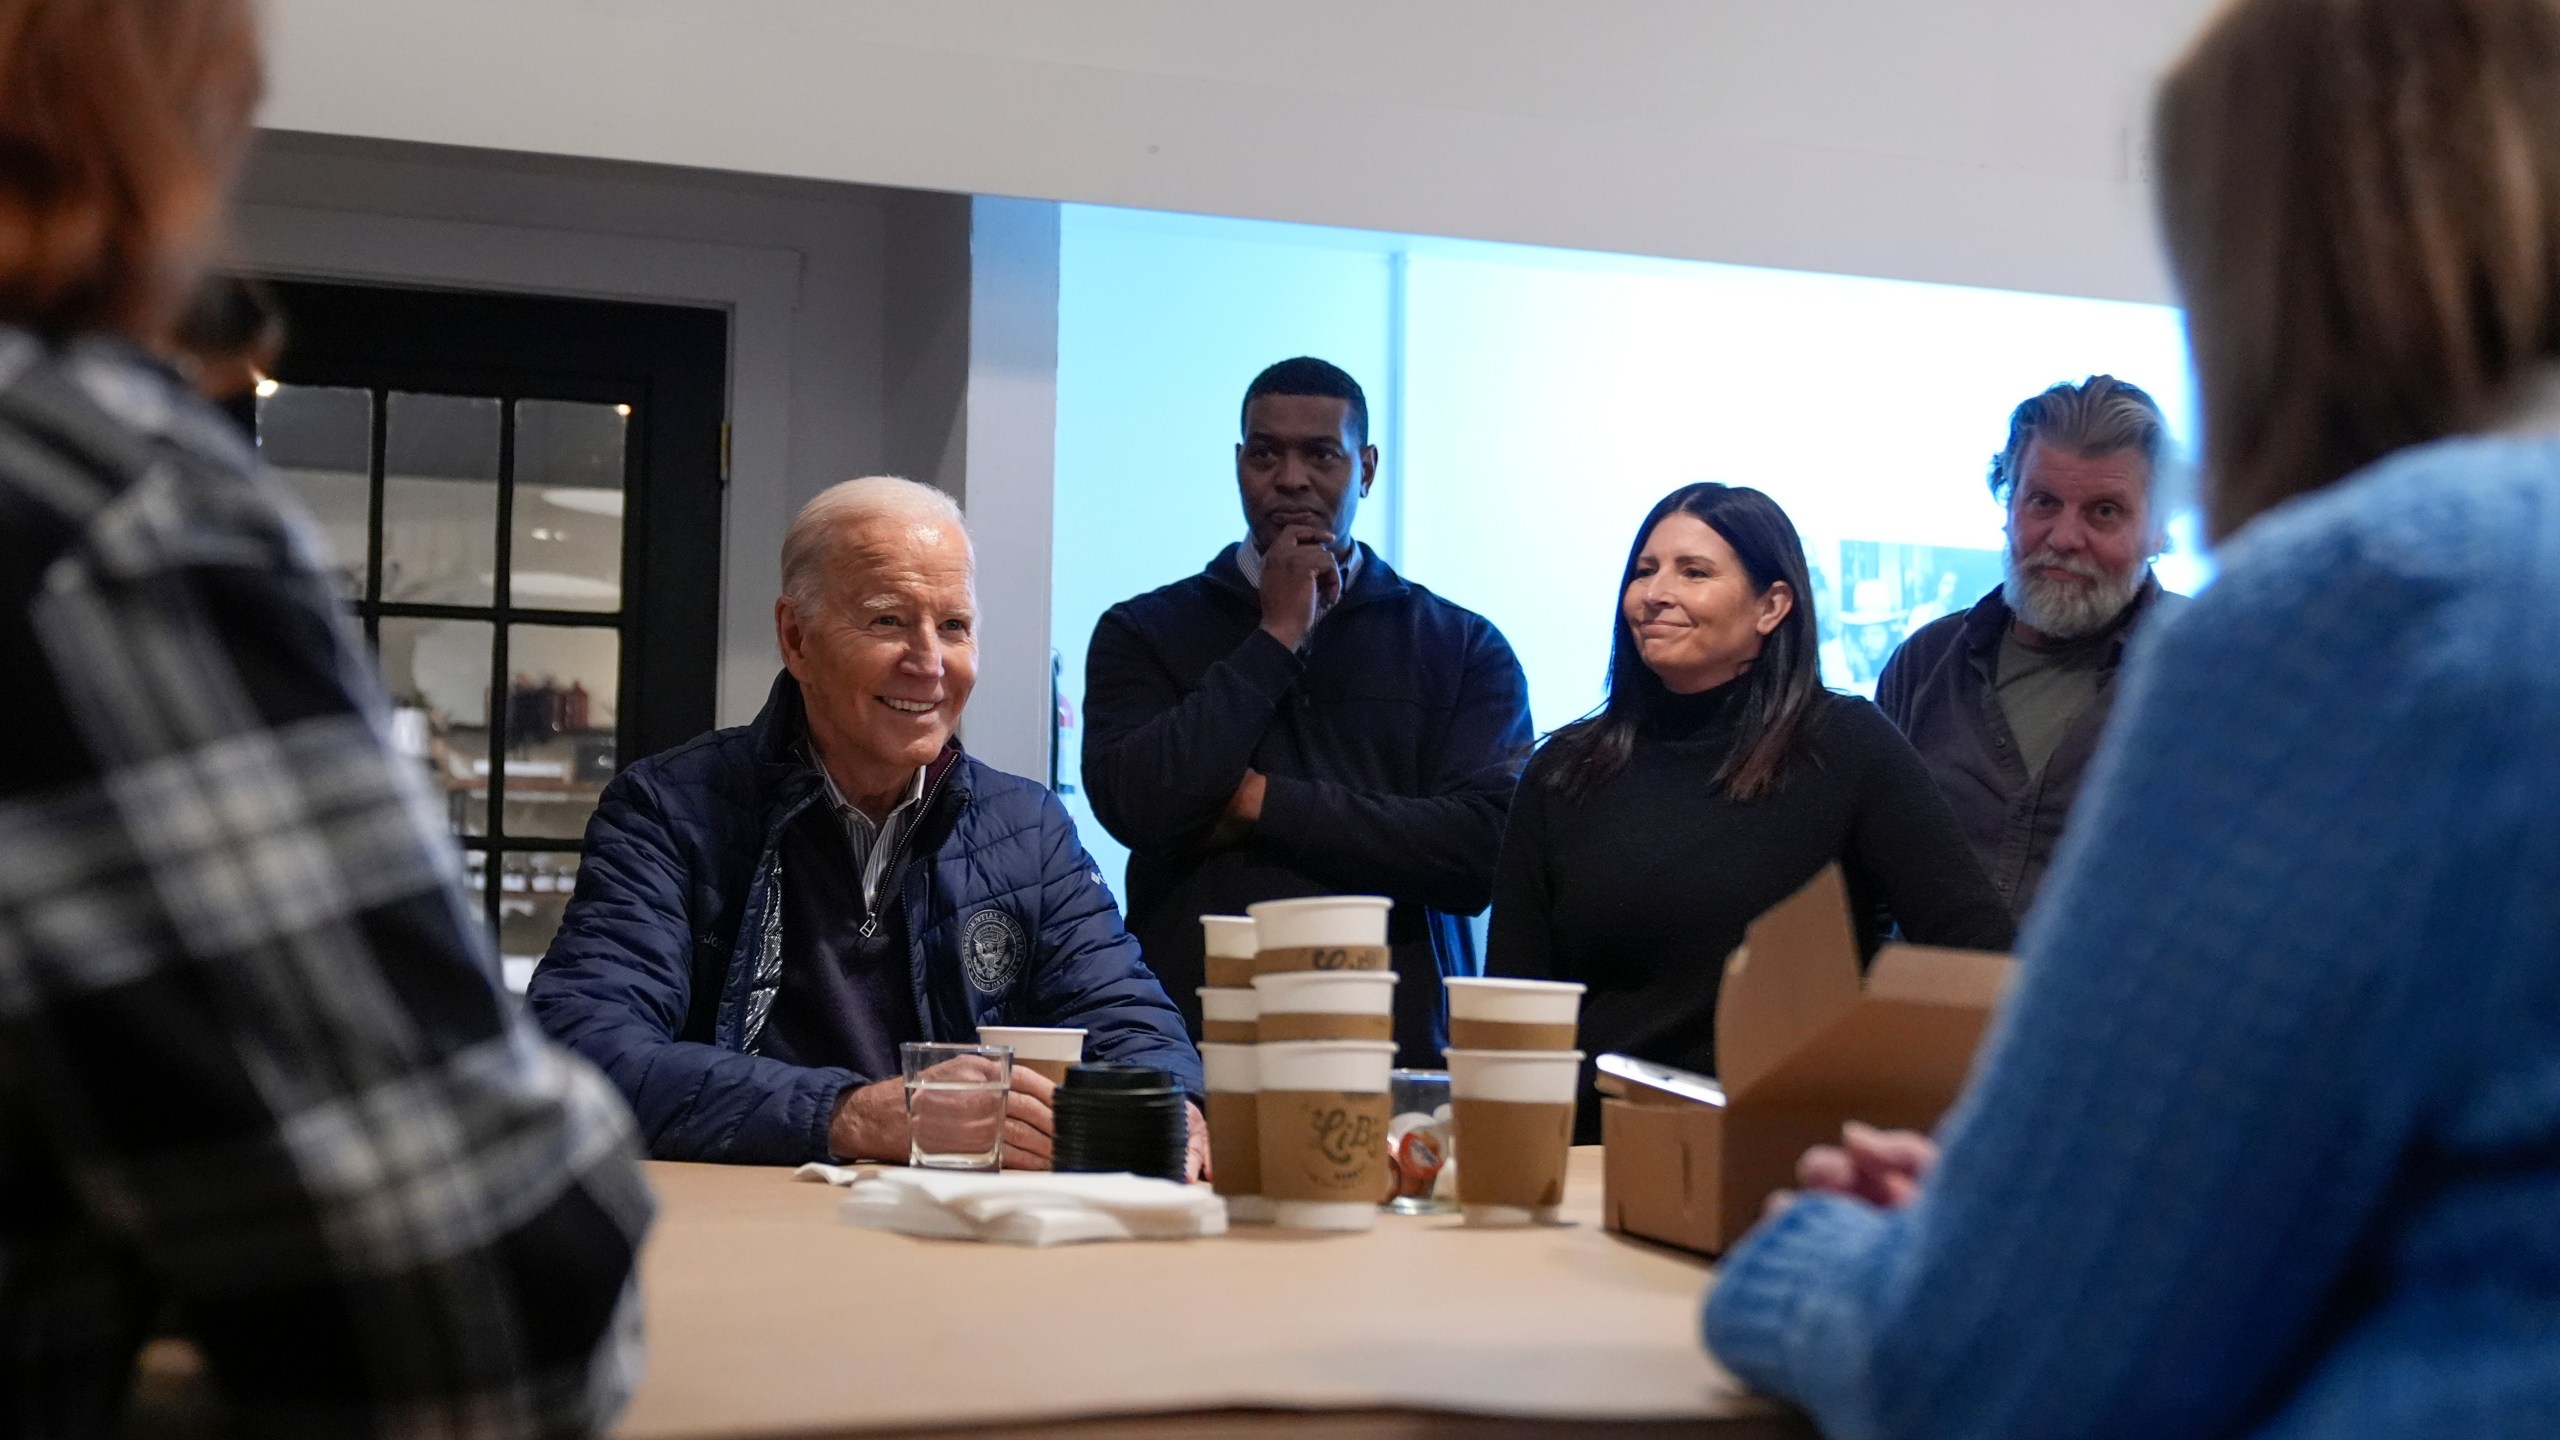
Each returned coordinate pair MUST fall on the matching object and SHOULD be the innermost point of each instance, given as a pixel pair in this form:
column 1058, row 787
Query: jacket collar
column 777, row 731
column 1991, row 617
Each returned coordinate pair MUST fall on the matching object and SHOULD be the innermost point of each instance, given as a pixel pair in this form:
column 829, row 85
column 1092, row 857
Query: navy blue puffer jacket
column 670, row 951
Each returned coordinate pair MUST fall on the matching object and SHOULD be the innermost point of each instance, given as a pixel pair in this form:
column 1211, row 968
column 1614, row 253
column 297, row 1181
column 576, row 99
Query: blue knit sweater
column 2268, row 1139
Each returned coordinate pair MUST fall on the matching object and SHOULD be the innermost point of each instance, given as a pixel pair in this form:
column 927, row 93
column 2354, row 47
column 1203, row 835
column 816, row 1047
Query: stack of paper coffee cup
column 1227, row 1036
column 1322, row 1119
column 1513, row 1079
column 1325, row 1012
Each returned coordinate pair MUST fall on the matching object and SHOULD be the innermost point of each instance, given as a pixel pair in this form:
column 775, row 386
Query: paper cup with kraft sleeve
column 1326, row 1005
column 1227, row 947
column 1038, row 1047
column 1227, row 1015
column 1513, row 1014
column 1321, row 932
column 1321, row 1118
column 1513, row 1116
column 1235, row 1147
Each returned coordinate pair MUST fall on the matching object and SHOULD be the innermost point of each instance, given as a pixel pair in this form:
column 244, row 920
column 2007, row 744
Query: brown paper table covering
column 768, row 1317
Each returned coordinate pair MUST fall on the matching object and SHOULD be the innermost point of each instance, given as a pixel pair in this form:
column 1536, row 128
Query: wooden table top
column 769, row 1317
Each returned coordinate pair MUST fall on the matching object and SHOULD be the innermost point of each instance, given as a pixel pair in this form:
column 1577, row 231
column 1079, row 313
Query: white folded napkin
column 1022, row 1207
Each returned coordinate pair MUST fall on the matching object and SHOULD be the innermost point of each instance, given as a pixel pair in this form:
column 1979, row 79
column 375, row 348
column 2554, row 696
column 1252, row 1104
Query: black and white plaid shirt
column 255, row 1069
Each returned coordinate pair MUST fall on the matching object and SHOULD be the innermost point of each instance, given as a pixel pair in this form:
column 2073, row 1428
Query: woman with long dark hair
column 1718, row 778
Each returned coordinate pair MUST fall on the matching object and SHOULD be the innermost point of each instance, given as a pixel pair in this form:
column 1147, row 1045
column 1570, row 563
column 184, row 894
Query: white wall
column 970, row 405
column 1987, row 142
column 1009, row 459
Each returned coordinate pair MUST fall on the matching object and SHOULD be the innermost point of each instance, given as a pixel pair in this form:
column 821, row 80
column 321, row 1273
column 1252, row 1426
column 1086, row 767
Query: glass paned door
column 479, row 540
column 522, row 495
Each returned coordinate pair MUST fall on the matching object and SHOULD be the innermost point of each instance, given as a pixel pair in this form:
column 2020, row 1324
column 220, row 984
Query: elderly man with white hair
column 766, row 913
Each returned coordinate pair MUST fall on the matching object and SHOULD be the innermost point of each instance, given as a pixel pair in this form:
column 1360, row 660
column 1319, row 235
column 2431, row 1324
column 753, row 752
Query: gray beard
column 2063, row 611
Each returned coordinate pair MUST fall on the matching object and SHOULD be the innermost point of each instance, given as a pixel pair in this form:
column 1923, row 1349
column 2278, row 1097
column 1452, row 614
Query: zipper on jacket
column 898, row 852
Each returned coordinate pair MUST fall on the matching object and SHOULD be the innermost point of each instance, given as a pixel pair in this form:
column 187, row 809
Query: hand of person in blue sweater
column 1885, row 1168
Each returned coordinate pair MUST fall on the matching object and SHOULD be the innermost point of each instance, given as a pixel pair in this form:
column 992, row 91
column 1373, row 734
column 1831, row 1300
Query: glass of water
column 956, row 1104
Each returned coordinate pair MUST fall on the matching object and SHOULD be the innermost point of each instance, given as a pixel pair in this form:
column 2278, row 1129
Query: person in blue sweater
column 2267, row 1141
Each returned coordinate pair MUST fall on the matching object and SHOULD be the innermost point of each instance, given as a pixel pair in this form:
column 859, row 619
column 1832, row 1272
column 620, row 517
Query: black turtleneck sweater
column 1643, row 886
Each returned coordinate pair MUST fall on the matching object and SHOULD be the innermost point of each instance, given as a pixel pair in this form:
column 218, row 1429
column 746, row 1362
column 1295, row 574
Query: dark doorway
column 522, row 497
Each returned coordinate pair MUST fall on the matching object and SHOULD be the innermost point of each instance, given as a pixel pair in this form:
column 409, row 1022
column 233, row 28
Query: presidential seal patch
column 992, row 947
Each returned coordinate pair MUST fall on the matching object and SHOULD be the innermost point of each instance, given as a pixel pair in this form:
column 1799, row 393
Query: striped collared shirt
column 874, row 844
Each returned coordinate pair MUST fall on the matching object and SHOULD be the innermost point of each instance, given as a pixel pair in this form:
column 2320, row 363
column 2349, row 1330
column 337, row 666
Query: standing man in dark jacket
column 2006, row 702
column 1300, row 720
column 764, row 915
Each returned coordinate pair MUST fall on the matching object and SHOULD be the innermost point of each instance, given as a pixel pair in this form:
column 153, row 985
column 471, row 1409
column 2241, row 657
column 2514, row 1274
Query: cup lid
column 1498, row 982
column 1260, row 908
column 1101, row 1076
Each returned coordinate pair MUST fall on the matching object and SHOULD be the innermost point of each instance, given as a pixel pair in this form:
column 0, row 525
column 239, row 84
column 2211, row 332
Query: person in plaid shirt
column 256, row 1073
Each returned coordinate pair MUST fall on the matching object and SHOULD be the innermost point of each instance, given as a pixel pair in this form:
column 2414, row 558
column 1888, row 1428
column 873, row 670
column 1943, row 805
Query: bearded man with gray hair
column 2006, row 702
column 764, row 915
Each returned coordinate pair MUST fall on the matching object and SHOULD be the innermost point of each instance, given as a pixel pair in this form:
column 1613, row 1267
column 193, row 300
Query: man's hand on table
column 1030, row 1121
column 870, row 1122
column 1885, row 1168
column 1031, row 1127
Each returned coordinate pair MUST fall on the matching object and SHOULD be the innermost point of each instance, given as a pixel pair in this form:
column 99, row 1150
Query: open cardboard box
column 1804, row 1046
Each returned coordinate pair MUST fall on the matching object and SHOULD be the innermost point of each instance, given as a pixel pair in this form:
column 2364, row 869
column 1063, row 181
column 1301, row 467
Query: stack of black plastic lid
column 1122, row 1117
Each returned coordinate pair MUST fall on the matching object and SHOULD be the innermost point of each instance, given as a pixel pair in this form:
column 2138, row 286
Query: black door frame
column 668, row 363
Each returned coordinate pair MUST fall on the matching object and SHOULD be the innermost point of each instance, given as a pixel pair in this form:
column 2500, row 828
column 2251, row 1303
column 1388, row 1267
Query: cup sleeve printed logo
column 992, row 947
